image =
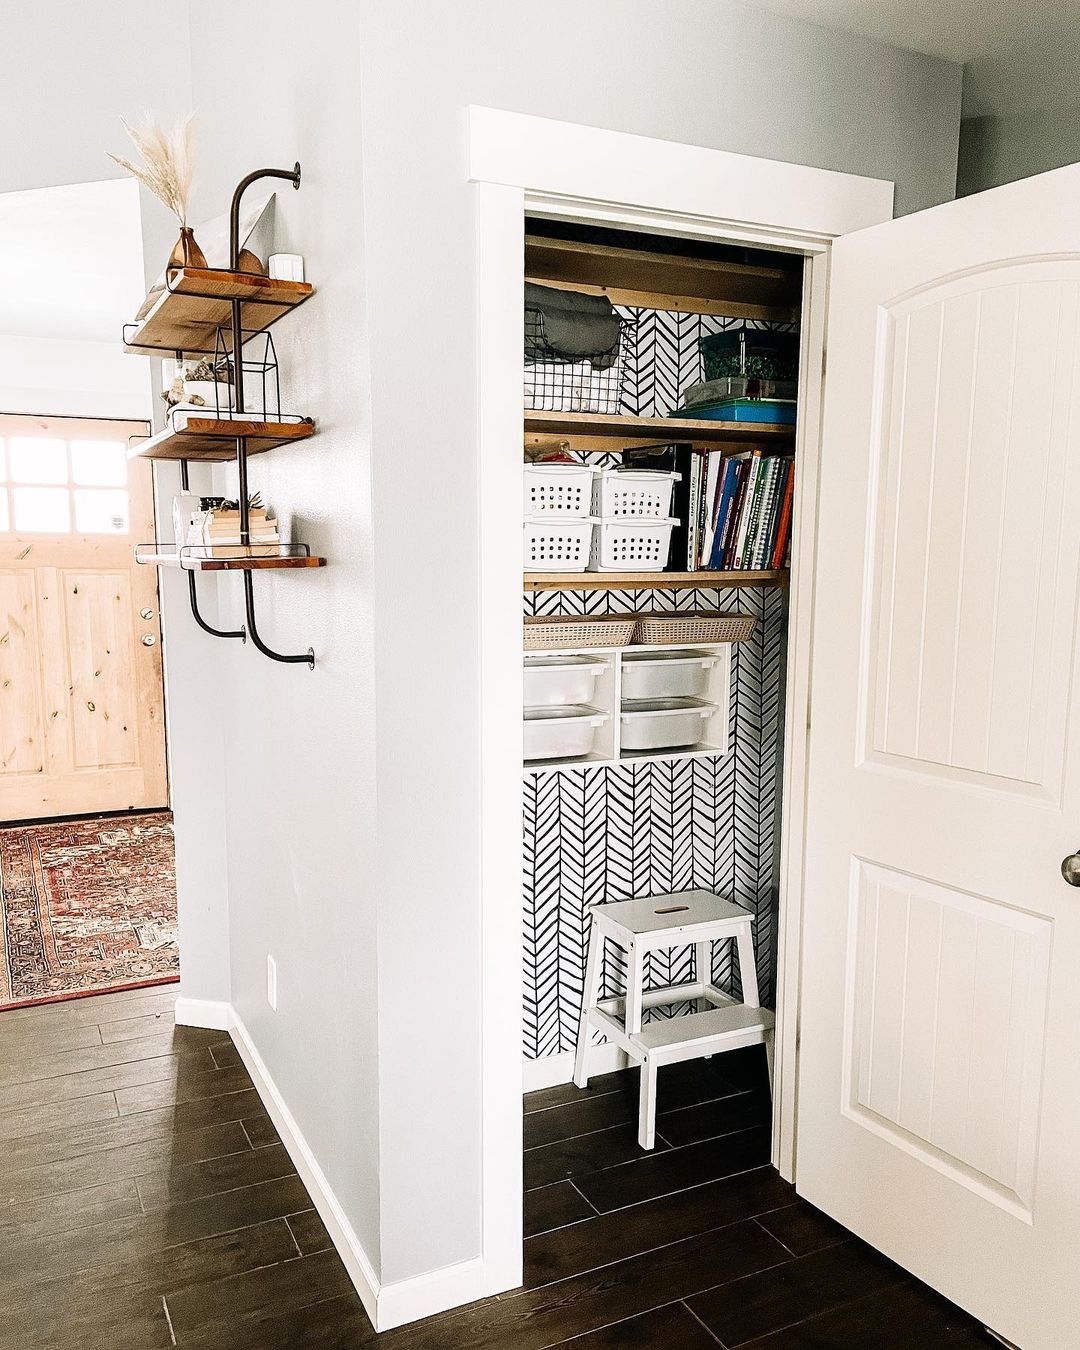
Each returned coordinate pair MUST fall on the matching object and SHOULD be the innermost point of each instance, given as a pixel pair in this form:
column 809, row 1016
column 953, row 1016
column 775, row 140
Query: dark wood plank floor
column 147, row 1202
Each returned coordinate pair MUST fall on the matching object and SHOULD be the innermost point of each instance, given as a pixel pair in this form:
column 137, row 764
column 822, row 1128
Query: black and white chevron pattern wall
column 593, row 835
column 608, row 833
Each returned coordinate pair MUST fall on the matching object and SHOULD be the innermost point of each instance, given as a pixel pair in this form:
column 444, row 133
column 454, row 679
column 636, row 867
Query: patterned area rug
column 87, row 906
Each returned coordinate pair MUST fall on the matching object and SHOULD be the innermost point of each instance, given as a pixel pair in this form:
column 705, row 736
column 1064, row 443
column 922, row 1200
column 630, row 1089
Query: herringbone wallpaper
column 593, row 835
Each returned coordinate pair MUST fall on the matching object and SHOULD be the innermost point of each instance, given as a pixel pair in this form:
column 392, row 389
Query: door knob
column 1070, row 869
column 148, row 640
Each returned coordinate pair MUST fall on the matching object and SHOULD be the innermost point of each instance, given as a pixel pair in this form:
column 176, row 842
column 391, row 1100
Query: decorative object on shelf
column 166, row 171
column 186, row 505
column 251, row 263
column 286, row 266
column 200, row 384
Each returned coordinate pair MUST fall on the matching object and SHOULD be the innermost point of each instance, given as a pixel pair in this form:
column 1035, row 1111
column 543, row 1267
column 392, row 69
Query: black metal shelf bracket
column 291, row 176
column 193, row 593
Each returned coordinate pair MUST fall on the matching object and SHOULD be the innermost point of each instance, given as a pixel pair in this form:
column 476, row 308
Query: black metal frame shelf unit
column 188, row 317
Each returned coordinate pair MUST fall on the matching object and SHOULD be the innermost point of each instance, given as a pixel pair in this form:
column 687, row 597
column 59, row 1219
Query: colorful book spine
column 783, row 529
column 738, row 507
column 729, row 486
column 751, row 511
column 769, row 510
column 711, row 504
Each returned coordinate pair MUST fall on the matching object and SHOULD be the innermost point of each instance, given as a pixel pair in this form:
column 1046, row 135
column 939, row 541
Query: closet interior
column 660, row 389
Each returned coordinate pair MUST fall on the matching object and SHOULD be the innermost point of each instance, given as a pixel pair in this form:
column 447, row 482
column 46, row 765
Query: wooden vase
column 187, row 252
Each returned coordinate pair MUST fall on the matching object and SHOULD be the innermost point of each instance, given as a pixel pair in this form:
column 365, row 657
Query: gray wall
column 705, row 71
column 1001, row 149
column 299, row 745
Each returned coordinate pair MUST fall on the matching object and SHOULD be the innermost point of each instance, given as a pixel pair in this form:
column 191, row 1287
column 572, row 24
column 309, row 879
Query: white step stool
column 696, row 918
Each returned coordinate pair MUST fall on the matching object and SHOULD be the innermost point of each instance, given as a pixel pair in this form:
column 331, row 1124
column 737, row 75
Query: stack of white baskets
column 579, row 518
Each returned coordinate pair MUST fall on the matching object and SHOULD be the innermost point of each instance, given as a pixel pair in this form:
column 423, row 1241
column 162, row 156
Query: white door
column 939, row 1078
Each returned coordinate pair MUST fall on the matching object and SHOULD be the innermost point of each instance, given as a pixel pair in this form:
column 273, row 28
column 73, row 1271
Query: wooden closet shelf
column 587, row 431
column 197, row 302
column 212, row 439
column 630, row 276
column 650, row 581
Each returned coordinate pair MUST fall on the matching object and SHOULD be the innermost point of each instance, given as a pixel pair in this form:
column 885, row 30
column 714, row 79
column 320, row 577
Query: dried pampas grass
column 168, row 161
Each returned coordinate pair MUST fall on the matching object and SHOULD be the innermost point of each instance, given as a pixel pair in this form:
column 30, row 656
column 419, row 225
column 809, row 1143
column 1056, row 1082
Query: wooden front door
column 939, row 1095
column 82, row 724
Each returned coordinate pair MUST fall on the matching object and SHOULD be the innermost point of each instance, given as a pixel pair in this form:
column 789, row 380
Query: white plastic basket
column 558, row 489
column 648, row 675
column 561, row 732
column 663, row 723
column 632, row 544
column 557, row 543
column 637, row 493
column 560, row 680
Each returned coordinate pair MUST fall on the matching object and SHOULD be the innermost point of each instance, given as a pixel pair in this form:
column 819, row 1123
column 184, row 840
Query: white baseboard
column 434, row 1292
column 341, row 1231
column 388, row 1305
column 202, row 1012
column 555, row 1069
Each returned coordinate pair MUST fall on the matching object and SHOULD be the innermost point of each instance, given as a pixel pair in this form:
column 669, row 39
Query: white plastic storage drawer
column 558, row 489
column 561, row 732
column 666, row 674
column 633, row 493
column 557, row 543
column 663, row 723
column 560, row 679
column 631, row 544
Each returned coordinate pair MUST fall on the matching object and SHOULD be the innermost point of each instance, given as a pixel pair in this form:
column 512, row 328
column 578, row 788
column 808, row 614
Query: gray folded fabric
column 575, row 327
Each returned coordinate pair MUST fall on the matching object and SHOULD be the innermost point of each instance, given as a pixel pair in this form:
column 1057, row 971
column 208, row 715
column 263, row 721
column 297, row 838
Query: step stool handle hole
column 672, row 909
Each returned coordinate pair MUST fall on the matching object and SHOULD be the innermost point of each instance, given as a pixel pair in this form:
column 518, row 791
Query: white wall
column 704, row 71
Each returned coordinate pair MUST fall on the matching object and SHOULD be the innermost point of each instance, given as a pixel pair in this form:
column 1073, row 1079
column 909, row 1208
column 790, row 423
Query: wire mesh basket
column 554, row 384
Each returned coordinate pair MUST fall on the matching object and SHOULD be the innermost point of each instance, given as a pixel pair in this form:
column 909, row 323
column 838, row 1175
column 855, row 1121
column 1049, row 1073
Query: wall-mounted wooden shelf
column 650, row 581
column 612, row 432
column 197, row 302
column 211, row 439
column 171, row 557
column 630, row 276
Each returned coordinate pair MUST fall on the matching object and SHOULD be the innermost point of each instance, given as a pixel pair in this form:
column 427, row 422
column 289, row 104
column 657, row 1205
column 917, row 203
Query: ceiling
column 71, row 262
column 1018, row 54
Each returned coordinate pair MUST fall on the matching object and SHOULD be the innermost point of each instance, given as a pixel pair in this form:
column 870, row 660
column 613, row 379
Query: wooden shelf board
column 212, row 439
column 650, row 581
column 587, row 431
column 170, row 558
column 198, row 301
column 630, row 276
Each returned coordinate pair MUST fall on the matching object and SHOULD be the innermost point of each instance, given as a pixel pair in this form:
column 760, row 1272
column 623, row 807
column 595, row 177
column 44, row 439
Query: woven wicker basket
column 553, row 634
column 657, row 629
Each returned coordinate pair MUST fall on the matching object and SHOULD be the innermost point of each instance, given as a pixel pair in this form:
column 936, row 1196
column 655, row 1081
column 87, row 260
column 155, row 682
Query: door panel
column 939, row 1101
column 81, row 701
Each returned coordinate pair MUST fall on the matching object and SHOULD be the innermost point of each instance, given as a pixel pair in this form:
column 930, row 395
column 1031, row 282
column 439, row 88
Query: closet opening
column 661, row 387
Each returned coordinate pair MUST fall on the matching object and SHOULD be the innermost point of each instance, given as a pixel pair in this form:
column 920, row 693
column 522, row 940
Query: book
column 783, row 477
column 729, row 487
column 783, row 529
column 767, row 517
column 717, row 461
column 750, row 507
column 680, row 459
column 735, row 522
column 694, row 522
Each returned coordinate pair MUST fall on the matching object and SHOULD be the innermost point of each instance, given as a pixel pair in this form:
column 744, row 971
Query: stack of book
column 736, row 508
column 222, row 530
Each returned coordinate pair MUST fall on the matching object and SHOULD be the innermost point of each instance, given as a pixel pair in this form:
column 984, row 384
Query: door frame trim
column 519, row 163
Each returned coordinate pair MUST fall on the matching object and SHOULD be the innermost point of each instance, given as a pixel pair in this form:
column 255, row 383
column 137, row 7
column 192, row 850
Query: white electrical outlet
column 271, row 982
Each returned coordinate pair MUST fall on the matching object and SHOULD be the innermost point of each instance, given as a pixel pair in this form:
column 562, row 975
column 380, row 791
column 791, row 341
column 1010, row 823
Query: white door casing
column 939, row 1102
